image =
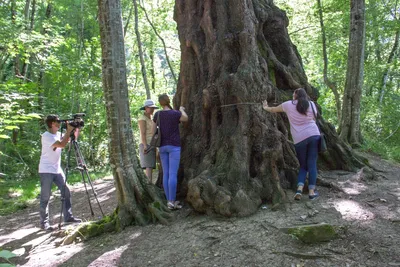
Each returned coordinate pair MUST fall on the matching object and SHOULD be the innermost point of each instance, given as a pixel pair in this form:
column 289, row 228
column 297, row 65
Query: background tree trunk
column 331, row 85
column 350, row 131
column 141, row 55
column 234, row 154
column 137, row 201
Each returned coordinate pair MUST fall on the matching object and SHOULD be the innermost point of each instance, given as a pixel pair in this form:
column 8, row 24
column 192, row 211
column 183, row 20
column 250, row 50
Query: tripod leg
column 81, row 169
column 82, row 165
column 94, row 192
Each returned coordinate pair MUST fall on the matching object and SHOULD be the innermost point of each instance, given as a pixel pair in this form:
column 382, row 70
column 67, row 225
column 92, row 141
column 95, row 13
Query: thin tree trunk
column 41, row 64
column 385, row 75
column 33, row 14
column 163, row 42
column 16, row 59
column 136, row 199
column 28, row 27
column 142, row 62
column 327, row 81
column 26, row 13
column 152, row 71
column 128, row 20
column 350, row 130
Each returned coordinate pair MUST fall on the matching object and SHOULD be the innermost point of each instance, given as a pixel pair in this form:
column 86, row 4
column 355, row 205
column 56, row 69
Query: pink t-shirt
column 301, row 126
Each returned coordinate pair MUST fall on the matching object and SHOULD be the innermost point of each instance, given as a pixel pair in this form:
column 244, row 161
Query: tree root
column 84, row 231
column 90, row 229
column 303, row 256
column 332, row 185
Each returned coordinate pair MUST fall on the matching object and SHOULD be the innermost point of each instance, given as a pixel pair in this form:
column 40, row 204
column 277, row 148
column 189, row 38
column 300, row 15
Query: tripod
column 81, row 166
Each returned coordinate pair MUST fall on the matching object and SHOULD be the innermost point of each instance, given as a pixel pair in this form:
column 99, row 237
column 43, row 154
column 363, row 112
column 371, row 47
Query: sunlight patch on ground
column 396, row 193
column 351, row 210
column 110, row 191
column 16, row 235
column 110, row 258
column 102, row 198
column 45, row 252
column 352, row 188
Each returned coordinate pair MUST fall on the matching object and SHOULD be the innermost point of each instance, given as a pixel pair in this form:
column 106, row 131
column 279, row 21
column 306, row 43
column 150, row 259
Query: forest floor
column 369, row 209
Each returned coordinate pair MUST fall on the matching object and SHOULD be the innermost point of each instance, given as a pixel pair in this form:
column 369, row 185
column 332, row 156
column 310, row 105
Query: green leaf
column 34, row 115
column 6, row 265
column 3, row 136
column 11, row 127
column 5, row 254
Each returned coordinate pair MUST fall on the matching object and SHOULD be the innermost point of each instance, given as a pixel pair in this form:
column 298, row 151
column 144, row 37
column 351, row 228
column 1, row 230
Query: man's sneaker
column 73, row 220
column 47, row 227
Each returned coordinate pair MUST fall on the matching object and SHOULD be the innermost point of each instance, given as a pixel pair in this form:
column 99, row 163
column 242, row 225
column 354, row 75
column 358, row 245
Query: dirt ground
column 368, row 208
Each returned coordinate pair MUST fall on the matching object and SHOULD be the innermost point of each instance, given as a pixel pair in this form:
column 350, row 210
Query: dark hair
column 302, row 100
column 163, row 99
column 50, row 119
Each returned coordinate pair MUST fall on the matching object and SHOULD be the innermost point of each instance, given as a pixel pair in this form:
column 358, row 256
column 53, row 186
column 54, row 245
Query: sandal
column 298, row 195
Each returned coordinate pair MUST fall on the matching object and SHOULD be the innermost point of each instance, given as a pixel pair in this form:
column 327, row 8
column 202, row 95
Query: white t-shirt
column 50, row 161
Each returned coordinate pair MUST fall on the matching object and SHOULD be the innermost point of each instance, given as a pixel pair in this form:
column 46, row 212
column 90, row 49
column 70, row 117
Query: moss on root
column 92, row 229
column 157, row 211
column 314, row 233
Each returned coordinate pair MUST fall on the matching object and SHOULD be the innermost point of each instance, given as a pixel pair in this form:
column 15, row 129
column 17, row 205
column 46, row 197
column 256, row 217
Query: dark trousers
column 307, row 154
column 46, row 181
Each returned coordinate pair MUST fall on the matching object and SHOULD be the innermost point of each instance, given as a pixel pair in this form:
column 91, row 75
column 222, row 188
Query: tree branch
column 162, row 41
column 398, row 126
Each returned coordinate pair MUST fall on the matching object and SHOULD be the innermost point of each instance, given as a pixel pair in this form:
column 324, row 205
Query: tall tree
column 137, row 201
column 234, row 56
column 349, row 129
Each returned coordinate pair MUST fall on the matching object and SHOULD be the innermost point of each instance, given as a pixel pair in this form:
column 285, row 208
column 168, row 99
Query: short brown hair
column 50, row 119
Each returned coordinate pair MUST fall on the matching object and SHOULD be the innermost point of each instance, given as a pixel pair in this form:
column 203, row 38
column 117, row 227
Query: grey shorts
column 147, row 160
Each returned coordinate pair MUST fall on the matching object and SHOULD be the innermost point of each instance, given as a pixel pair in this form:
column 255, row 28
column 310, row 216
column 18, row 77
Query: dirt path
column 370, row 210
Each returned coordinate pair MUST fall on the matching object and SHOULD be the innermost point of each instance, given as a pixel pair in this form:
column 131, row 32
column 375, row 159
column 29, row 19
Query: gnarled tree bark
column 234, row 55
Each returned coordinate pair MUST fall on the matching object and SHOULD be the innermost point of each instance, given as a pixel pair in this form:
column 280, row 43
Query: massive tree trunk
column 137, row 201
column 235, row 155
column 350, row 130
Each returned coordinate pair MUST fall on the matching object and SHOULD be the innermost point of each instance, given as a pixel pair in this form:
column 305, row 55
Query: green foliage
column 379, row 107
column 50, row 63
column 6, row 255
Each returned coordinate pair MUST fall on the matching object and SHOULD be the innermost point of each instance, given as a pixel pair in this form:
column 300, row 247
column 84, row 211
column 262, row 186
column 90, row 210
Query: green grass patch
column 18, row 194
column 387, row 151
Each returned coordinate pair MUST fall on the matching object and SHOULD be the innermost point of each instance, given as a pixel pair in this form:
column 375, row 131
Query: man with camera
column 50, row 171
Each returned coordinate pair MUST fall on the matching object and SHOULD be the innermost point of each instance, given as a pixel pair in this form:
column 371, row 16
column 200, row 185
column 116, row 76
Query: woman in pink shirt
column 306, row 136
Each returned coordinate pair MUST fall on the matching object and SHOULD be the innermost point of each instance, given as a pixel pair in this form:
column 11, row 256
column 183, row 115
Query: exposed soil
column 368, row 207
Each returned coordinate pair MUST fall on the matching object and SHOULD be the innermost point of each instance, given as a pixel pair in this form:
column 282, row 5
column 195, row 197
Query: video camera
column 76, row 121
